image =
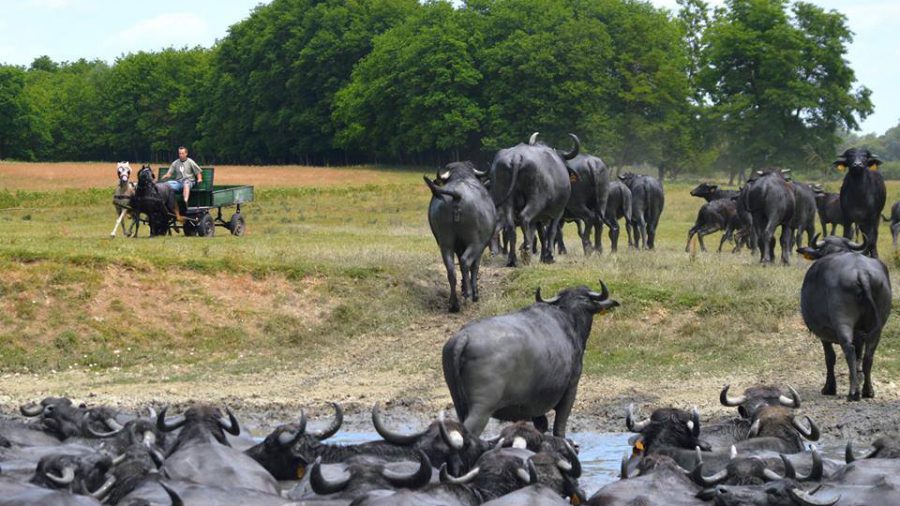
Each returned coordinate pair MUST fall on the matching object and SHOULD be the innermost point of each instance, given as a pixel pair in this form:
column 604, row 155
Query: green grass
column 358, row 265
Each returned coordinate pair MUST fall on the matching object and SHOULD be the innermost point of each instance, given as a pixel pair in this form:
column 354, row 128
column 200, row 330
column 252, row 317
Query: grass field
column 337, row 292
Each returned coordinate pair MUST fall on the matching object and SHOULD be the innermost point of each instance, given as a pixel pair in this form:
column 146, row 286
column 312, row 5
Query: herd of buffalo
column 519, row 366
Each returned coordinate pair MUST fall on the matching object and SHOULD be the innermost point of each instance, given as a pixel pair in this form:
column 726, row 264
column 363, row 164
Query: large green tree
column 778, row 82
column 18, row 129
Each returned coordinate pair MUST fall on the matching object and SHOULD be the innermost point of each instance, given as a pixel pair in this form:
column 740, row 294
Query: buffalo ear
column 840, row 164
column 573, row 176
column 874, row 162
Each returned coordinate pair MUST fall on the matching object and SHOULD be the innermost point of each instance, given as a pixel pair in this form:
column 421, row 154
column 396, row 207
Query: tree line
column 746, row 85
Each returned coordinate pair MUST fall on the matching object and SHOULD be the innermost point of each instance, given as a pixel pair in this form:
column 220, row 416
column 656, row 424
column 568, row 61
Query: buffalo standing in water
column 530, row 187
column 462, row 218
column 521, row 365
column 845, row 300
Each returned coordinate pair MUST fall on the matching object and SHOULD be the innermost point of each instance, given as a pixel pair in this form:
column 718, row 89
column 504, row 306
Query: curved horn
column 173, row 495
column 418, row 479
column 230, row 424
column 730, row 401
column 785, row 171
column 572, row 154
column 571, row 465
column 479, row 173
column 444, row 175
column 528, row 474
column 815, row 472
column 694, row 423
column 759, row 173
column 31, row 410
column 533, row 139
column 631, row 424
column 87, row 429
column 812, row 433
column 538, row 298
column 604, row 292
column 446, row 478
column 854, row 246
column 113, row 424
column 817, row 242
column 754, row 429
column 623, row 468
column 151, row 413
column 104, row 489
column 168, row 425
column 334, row 426
column 322, row 486
column 157, row 457
column 453, row 438
column 793, row 401
column 288, row 439
column 67, row 477
column 850, row 457
column 703, row 481
column 118, row 460
column 392, row 437
column 806, row 499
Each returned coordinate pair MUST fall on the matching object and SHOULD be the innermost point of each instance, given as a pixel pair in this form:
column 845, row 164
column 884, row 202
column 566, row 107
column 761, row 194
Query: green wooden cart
column 207, row 197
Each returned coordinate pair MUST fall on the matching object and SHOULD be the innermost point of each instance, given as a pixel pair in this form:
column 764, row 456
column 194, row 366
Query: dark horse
column 156, row 200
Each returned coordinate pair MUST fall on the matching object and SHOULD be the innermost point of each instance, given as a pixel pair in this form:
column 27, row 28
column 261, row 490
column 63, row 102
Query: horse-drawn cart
column 204, row 199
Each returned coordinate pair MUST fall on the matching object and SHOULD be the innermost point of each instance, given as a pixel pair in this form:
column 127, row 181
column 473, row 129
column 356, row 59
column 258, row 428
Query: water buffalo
column 618, row 206
column 647, row 202
column 361, row 474
column 710, row 192
column 662, row 482
column 669, row 431
column 828, row 206
column 587, row 201
column 884, row 447
column 804, row 219
column 846, row 300
column 462, row 219
column 720, row 214
column 757, row 396
column 202, row 454
column 518, row 366
column 863, row 195
column 894, row 221
column 770, row 200
column 530, row 187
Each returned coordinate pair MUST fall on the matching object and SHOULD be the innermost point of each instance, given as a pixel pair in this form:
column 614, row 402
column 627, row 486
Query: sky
column 67, row 30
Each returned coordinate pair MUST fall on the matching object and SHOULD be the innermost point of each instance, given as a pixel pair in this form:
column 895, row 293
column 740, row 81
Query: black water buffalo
column 84, row 475
column 202, row 454
column 845, row 300
column 587, row 201
column 618, row 206
column 710, row 192
column 662, row 482
column 770, row 200
column 894, row 221
column 828, row 206
column 720, row 214
column 884, row 447
column 669, row 431
column 776, row 428
column 863, row 195
column 518, row 366
column 757, row 396
column 804, row 219
column 462, row 219
column 755, row 471
column 647, row 202
column 64, row 419
column 364, row 473
column 530, row 187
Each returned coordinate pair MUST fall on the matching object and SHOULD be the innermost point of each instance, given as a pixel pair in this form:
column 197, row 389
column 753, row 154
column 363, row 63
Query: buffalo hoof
column 475, row 298
column 853, row 396
column 829, row 390
column 548, row 260
column 868, row 392
column 454, row 308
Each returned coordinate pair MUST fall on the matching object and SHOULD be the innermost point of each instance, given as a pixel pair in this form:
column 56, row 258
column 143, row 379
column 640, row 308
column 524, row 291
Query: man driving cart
column 183, row 174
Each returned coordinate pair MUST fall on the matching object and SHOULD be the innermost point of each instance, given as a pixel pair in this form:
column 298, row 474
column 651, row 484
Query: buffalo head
column 857, row 160
column 830, row 245
column 756, row 397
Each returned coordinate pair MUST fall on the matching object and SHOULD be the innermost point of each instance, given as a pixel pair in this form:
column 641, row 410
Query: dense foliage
column 757, row 82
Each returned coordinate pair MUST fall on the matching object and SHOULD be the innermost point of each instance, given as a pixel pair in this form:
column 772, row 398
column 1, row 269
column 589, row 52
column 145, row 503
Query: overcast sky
column 72, row 29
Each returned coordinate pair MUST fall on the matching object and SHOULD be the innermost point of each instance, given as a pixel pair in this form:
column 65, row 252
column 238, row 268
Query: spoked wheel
column 206, row 227
column 236, row 224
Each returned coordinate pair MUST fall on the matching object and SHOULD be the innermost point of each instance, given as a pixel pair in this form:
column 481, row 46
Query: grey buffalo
column 863, row 195
column 828, row 206
column 587, row 202
column 519, row 366
column 647, row 202
column 804, row 219
column 713, row 216
column 770, row 201
column 846, row 300
column 894, row 221
column 530, row 187
column 618, row 206
column 462, row 218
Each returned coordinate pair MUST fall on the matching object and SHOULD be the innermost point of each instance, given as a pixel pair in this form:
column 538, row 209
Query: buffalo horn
column 67, row 477
column 694, row 423
column 320, row 484
column 538, row 298
column 532, row 139
column 571, row 461
column 149, row 438
column 850, row 457
column 759, row 173
column 168, row 425
column 785, row 171
column 731, row 402
column 287, row 439
column 104, row 489
column 479, row 173
column 604, row 292
column 118, row 460
column 453, row 438
column 754, row 429
column 812, row 433
column 806, row 499
column 699, row 479
column 817, row 242
column 230, row 424
column 392, row 437
column 173, row 495
column 157, row 457
column 151, row 413
column 631, row 424
column 623, row 468
column 572, row 154
column 444, row 175
column 793, row 401
column 420, row 478
column 815, row 472
column 31, row 410
column 772, row 475
column 854, row 246
column 446, row 478
column 334, row 426
column 86, row 428
column 113, row 424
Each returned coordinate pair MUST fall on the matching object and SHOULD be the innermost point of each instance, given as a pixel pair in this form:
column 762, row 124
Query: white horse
column 122, row 199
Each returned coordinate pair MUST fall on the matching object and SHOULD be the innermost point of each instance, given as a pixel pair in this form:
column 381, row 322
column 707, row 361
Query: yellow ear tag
column 638, row 446
column 575, row 500
column 873, row 167
column 301, row 472
column 573, row 178
column 841, row 167
column 808, row 256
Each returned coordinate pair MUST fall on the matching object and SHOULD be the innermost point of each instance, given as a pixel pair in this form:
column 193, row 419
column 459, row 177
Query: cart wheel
column 206, row 227
column 236, row 224
column 189, row 229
